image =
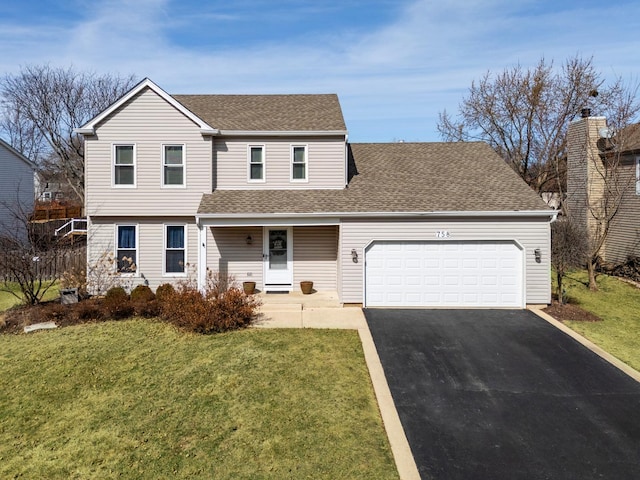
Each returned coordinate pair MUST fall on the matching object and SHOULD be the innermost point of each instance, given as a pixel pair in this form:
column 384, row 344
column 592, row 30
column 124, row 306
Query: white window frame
column 135, row 273
column 638, row 175
column 306, row 164
column 264, row 163
column 163, row 183
column 165, row 249
column 114, row 146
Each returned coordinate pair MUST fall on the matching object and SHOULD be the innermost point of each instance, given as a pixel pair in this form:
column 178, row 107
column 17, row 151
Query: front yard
column 618, row 305
column 140, row 399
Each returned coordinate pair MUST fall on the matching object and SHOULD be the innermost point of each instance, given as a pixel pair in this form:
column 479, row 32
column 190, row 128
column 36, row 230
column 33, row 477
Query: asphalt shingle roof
column 267, row 112
column 398, row 177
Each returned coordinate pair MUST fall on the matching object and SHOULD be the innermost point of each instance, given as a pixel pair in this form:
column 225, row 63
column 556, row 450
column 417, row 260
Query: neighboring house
column 16, row 189
column 603, row 177
column 266, row 188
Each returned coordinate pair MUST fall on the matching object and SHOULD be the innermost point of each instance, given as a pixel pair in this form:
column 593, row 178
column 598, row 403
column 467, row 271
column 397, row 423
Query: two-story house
column 267, row 188
column 16, row 190
column 603, row 185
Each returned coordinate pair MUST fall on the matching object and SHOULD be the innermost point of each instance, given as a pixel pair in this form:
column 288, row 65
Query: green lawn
column 618, row 304
column 139, row 399
column 7, row 300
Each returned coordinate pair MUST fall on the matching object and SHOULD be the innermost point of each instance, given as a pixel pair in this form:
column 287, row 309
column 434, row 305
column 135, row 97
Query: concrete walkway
column 323, row 310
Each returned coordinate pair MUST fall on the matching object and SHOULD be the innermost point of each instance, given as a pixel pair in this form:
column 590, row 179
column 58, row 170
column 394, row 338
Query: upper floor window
column 174, row 250
column 299, row 163
column 256, row 163
column 173, row 165
column 126, row 249
column 124, row 165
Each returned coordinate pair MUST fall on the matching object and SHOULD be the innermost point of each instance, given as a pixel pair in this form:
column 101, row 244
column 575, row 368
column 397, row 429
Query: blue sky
column 394, row 64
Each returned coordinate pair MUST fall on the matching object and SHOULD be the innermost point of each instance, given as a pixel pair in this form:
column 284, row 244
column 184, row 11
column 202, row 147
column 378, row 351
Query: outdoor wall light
column 538, row 255
column 354, row 255
column 249, row 239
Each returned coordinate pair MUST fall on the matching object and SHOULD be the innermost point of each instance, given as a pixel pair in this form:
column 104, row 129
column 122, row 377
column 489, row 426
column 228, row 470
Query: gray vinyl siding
column 623, row 239
column 16, row 189
column 150, row 251
column 325, row 163
column 228, row 253
column 148, row 122
column 358, row 234
column 315, row 254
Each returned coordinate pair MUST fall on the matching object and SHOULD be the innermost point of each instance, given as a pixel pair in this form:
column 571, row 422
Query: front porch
column 316, row 310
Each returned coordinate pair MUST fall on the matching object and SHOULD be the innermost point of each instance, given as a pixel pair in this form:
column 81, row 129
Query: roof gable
column 89, row 127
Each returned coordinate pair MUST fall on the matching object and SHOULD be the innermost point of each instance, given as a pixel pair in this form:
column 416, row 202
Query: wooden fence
column 47, row 265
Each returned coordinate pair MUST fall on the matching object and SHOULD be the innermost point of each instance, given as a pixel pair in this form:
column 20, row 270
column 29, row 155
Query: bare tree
column 569, row 249
column 27, row 259
column 41, row 105
column 524, row 114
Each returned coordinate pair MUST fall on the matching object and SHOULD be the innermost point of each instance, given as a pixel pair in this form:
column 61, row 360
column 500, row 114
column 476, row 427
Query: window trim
column 306, row 163
column 113, row 165
column 264, row 163
column 136, row 226
column 165, row 249
column 163, row 164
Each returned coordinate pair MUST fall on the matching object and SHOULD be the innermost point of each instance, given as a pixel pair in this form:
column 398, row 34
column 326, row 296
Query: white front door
column 278, row 259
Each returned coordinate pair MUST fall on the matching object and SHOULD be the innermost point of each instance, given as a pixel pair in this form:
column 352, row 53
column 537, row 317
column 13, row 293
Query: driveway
column 492, row 394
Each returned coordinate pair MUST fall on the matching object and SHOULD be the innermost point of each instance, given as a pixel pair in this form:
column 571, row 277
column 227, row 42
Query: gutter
column 552, row 214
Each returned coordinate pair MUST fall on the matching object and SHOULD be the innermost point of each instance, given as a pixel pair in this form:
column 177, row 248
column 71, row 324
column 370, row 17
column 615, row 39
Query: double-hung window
column 124, row 165
column 299, row 163
column 175, row 250
column 173, row 165
column 126, row 249
column 256, row 163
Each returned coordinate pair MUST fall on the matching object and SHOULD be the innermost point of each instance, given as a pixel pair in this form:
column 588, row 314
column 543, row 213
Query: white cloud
column 392, row 80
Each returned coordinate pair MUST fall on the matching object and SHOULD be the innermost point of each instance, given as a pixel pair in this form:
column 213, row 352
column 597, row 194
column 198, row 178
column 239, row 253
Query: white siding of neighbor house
column 150, row 262
column 531, row 234
column 16, row 189
column 148, row 122
column 315, row 252
column 325, row 163
column 623, row 240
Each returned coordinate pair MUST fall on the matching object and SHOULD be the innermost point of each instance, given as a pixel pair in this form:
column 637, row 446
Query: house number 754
column 442, row 234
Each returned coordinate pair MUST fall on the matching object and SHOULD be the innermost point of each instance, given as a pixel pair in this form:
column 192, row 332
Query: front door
column 278, row 259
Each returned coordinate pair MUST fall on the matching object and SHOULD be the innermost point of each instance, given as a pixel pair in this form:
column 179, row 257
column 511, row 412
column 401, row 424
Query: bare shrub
column 220, row 308
column 117, row 304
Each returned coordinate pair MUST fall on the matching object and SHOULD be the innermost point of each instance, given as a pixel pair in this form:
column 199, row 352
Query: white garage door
column 444, row 274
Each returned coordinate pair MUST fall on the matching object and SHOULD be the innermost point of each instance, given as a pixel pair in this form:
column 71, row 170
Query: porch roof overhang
column 335, row 218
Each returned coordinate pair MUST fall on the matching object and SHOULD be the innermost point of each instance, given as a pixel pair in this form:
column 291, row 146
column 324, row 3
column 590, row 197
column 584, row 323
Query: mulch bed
column 570, row 312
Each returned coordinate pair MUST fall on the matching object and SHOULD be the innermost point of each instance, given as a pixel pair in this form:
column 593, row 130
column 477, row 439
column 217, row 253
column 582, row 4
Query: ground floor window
column 174, row 249
column 126, row 251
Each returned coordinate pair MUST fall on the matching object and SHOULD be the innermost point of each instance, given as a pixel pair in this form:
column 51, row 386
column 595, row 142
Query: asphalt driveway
column 502, row 394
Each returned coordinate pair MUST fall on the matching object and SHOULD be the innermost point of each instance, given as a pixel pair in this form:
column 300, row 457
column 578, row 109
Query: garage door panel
column 447, row 273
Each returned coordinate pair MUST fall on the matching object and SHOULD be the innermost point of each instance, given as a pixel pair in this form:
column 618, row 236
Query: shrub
column 76, row 277
column 149, row 309
column 142, row 293
column 209, row 313
column 116, row 304
column 88, row 310
column 164, row 291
